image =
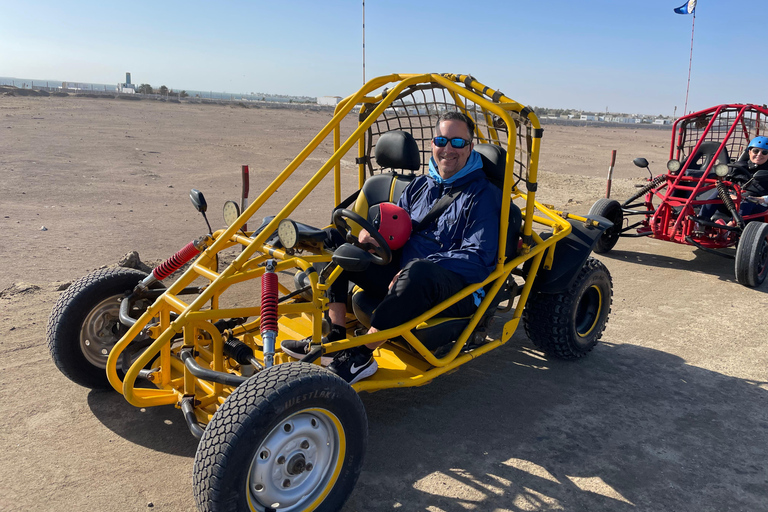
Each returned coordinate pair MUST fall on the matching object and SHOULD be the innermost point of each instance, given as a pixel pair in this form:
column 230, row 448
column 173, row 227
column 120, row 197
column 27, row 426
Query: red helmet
column 392, row 222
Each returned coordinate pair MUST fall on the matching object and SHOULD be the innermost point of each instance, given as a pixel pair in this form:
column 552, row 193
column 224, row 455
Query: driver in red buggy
column 448, row 252
column 754, row 202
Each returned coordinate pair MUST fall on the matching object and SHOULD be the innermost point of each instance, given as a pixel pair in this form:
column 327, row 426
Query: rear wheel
column 611, row 210
column 84, row 324
column 752, row 255
column 291, row 438
column 569, row 324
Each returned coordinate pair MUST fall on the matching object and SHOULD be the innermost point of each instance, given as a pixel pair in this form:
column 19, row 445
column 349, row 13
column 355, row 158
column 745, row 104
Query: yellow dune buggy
column 277, row 433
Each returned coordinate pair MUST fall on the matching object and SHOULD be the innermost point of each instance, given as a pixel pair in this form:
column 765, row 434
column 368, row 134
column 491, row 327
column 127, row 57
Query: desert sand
column 669, row 412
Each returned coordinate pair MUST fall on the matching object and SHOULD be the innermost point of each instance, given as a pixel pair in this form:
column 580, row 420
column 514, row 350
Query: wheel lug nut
column 309, row 466
column 281, row 460
column 304, row 445
column 286, row 483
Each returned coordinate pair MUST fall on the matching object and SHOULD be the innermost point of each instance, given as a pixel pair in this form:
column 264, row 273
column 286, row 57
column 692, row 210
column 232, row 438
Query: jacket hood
column 465, row 174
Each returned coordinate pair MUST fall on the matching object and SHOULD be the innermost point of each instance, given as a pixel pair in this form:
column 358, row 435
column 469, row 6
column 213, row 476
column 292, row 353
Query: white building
column 127, row 87
column 330, row 101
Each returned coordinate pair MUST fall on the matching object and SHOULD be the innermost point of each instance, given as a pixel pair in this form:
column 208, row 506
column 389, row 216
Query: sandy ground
column 669, row 413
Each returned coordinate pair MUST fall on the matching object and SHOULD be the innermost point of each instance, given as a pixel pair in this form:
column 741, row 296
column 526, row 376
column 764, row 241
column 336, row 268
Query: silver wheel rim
column 298, row 462
column 101, row 331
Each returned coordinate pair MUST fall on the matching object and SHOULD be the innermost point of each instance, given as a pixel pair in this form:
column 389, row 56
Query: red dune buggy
column 702, row 199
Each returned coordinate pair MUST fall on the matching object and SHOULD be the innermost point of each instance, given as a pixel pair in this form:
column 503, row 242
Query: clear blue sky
column 592, row 55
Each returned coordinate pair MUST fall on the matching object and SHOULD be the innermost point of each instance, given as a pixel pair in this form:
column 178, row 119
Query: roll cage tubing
column 195, row 323
column 676, row 149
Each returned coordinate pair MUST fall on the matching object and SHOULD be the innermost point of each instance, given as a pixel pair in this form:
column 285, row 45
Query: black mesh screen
column 416, row 111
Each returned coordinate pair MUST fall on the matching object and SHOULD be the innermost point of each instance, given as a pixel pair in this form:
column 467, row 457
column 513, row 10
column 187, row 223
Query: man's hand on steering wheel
column 369, row 238
column 365, row 238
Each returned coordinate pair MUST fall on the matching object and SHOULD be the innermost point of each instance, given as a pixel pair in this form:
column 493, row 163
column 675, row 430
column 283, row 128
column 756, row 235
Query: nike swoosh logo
column 354, row 369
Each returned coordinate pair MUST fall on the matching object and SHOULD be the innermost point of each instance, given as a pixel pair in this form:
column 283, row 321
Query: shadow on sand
column 159, row 428
column 626, row 428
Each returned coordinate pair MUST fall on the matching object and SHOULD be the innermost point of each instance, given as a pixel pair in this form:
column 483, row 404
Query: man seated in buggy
column 443, row 255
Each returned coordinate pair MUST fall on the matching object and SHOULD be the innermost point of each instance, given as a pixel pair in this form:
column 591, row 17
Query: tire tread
column 547, row 316
column 252, row 400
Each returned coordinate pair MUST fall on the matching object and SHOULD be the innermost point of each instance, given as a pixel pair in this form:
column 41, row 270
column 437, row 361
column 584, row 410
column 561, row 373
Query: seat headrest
column 494, row 162
column 398, row 150
column 706, row 152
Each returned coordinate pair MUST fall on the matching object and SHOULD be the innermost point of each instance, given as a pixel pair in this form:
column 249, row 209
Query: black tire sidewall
column 550, row 318
column 68, row 315
column 257, row 415
column 611, row 210
column 751, row 245
column 599, row 277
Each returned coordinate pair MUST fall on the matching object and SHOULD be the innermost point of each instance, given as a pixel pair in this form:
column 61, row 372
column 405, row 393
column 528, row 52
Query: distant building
column 662, row 121
column 330, row 101
column 624, row 120
column 127, row 87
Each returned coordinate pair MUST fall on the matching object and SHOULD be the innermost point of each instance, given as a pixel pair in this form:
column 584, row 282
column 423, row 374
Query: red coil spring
column 175, row 262
column 269, row 302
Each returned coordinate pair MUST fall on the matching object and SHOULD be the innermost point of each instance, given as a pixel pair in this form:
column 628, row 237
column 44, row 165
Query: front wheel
column 84, row 324
column 569, row 324
column 291, row 438
column 752, row 255
column 611, row 210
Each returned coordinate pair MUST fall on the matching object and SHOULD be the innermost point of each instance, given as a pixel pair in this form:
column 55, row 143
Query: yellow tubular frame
column 194, row 320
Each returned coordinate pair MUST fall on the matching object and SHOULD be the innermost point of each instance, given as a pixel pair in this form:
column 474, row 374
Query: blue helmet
column 759, row 142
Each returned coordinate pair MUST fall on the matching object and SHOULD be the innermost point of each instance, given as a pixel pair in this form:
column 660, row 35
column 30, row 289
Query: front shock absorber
column 176, row 261
column 725, row 197
column 654, row 183
column 269, row 312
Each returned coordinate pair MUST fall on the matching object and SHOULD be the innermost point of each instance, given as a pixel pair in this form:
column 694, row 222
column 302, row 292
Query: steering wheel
column 738, row 173
column 382, row 254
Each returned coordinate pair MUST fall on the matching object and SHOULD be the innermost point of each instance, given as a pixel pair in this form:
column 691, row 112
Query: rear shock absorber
column 176, row 261
column 725, row 197
column 269, row 312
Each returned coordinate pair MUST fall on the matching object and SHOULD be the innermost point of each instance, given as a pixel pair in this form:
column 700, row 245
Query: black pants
column 421, row 285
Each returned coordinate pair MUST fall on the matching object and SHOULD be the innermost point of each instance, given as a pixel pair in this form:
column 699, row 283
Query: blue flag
column 687, row 8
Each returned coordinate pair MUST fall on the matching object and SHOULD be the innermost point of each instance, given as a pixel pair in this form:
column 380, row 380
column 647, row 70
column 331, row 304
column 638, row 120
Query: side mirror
column 198, row 200
column 640, row 162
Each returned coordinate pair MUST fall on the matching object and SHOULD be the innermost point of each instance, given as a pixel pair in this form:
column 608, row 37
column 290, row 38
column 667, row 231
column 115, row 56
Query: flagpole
column 690, row 61
column 363, row 42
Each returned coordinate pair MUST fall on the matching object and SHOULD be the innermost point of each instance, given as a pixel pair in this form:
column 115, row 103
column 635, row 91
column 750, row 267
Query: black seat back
column 494, row 165
column 744, row 156
column 700, row 160
column 396, row 150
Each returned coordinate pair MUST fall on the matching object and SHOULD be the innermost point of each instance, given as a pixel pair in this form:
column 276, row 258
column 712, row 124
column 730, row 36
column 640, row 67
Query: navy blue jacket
column 464, row 238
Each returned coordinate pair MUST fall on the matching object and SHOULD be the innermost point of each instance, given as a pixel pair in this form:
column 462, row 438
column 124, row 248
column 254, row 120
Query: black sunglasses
column 755, row 151
column 456, row 142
